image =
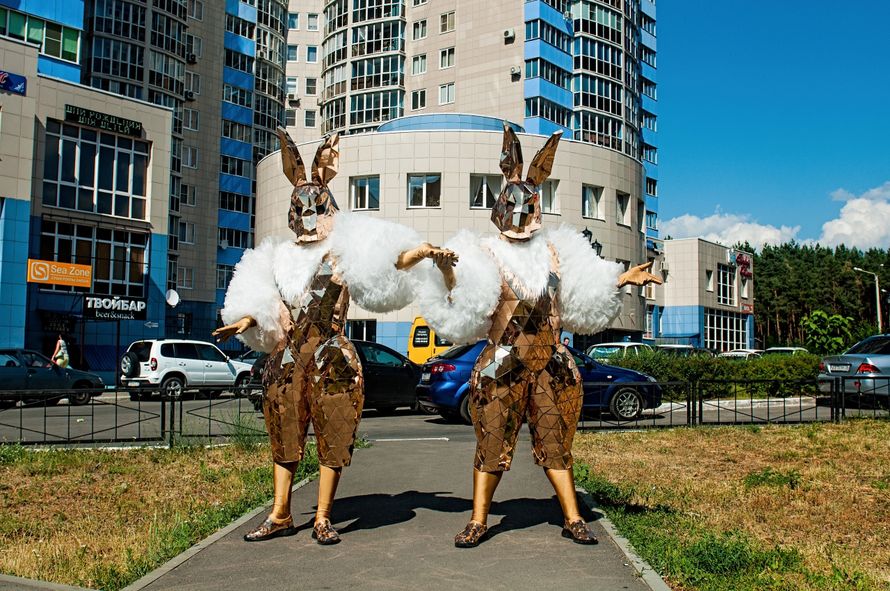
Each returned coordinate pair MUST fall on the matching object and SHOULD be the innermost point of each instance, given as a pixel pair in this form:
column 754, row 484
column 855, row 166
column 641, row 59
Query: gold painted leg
column 563, row 482
column 323, row 532
column 279, row 522
column 484, row 485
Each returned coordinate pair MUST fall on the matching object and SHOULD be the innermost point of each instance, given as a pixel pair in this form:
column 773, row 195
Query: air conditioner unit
column 223, row 244
column 291, row 96
column 509, row 35
column 261, row 54
column 189, row 95
column 192, row 58
column 567, row 15
column 515, row 71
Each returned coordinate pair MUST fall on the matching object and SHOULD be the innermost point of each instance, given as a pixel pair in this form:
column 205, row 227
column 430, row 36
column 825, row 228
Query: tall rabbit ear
column 291, row 162
column 511, row 156
column 542, row 163
column 327, row 160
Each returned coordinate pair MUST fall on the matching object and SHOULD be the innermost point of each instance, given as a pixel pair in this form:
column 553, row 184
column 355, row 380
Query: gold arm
column 639, row 275
column 226, row 332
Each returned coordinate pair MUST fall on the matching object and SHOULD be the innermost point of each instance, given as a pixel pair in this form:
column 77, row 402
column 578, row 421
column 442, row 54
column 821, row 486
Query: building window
column 744, row 288
column 419, row 30
column 365, row 192
column 418, row 99
column 224, row 276
column 235, row 166
column 234, row 202
column 418, row 2
column 196, row 10
column 418, row 65
column 446, row 58
column 622, row 208
column 446, row 22
column 309, row 119
column 118, row 257
column 591, row 197
column 229, row 238
column 292, row 53
column 311, row 54
column 651, row 187
column 94, row 171
column 240, row 27
column 484, row 190
column 709, row 279
column 650, row 121
column 651, row 220
column 446, row 94
column 237, row 96
column 185, row 278
column 547, row 192
column 190, row 156
column 650, row 313
column 190, row 119
column 54, row 39
column 293, row 21
column 188, row 195
column 193, row 82
column 424, row 190
column 311, row 22
column 186, row 232
column 726, row 285
column 725, row 330
column 311, row 86
column 650, row 153
column 290, row 118
column 291, row 84
column 362, row 330
column 237, row 131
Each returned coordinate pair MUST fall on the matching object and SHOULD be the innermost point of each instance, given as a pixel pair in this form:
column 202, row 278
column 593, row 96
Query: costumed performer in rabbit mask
column 518, row 289
column 290, row 299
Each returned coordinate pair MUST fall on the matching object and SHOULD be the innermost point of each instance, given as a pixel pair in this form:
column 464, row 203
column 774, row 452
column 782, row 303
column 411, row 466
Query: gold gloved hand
column 639, row 275
column 226, row 332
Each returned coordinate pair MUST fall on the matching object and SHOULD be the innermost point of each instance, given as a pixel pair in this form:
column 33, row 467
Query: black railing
column 141, row 416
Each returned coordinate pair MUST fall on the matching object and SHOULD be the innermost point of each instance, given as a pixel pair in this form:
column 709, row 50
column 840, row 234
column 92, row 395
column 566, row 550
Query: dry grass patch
column 819, row 491
column 102, row 519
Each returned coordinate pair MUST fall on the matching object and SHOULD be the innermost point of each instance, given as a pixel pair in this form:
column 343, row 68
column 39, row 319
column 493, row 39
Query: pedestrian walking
column 60, row 354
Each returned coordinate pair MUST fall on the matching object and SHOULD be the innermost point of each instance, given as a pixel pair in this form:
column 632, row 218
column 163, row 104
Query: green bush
column 720, row 377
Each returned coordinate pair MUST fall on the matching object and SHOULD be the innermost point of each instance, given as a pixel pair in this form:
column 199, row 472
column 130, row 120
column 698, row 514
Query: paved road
column 114, row 417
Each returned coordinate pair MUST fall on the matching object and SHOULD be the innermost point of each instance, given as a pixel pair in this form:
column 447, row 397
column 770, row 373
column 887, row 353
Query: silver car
column 864, row 369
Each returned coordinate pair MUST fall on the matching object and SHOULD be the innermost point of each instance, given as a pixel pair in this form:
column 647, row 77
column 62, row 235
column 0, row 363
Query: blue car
column 624, row 393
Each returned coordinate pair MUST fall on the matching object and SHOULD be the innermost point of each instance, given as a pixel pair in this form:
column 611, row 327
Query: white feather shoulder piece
column 253, row 292
column 588, row 297
column 367, row 250
column 465, row 316
column 524, row 265
column 294, row 265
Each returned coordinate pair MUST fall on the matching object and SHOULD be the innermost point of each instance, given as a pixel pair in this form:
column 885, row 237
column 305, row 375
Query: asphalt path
column 114, row 417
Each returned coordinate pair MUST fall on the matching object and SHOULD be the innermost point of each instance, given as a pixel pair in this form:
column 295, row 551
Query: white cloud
column 727, row 229
column 863, row 222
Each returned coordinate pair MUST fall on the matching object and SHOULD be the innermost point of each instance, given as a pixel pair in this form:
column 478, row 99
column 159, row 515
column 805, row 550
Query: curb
column 10, row 582
column 177, row 560
column 651, row 578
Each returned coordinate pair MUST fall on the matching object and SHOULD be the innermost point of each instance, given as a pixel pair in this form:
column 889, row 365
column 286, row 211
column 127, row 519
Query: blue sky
column 774, row 119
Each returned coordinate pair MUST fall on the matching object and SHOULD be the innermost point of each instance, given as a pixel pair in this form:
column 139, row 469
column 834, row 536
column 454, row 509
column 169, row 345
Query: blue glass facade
column 14, row 232
column 68, row 14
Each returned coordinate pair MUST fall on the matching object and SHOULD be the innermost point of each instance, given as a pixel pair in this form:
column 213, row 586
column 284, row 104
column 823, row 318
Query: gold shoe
column 579, row 532
column 324, row 533
column 269, row 529
column 471, row 535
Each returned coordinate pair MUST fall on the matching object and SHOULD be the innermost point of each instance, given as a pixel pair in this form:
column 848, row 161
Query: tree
column 827, row 334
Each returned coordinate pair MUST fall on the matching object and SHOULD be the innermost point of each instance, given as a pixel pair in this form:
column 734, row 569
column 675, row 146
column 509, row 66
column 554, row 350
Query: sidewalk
column 397, row 510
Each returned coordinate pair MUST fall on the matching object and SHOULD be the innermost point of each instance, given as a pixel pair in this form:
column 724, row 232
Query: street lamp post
column 877, row 295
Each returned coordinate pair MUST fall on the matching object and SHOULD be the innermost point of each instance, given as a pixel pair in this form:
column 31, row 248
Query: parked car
column 624, row 393
column 603, row 351
column 741, row 354
column 864, row 368
column 171, row 366
column 26, row 375
column 250, row 356
column 684, row 351
column 390, row 377
column 785, row 351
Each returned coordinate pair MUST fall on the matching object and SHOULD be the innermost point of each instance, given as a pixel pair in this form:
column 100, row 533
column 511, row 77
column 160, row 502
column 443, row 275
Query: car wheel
column 241, row 383
column 465, row 410
column 172, row 387
column 79, row 398
column 129, row 365
column 626, row 404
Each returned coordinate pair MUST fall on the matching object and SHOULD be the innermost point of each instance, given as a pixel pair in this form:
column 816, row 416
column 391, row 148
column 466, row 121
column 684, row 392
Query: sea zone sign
column 55, row 273
column 106, row 307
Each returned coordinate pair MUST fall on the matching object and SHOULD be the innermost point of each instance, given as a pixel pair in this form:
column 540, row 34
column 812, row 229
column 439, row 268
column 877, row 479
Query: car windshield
column 455, row 352
column 603, row 351
column 873, row 346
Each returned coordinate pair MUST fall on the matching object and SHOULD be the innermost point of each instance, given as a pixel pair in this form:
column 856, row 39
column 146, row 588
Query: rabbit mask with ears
column 517, row 211
column 312, row 206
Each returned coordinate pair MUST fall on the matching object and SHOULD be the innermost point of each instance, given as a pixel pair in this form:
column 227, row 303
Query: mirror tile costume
column 518, row 290
column 290, row 299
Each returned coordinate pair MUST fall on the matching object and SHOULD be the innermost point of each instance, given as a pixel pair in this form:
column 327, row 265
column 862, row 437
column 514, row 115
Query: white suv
column 172, row 365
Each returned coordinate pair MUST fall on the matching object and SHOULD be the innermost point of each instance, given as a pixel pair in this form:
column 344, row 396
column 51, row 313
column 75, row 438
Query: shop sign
column 54, row 273
column 747, row 308
column 14, row 83
column 107, row 307
column 744, row 263
column 104, row 121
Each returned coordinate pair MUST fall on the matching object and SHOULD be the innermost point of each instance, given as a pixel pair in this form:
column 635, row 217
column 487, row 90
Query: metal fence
column 143, row 416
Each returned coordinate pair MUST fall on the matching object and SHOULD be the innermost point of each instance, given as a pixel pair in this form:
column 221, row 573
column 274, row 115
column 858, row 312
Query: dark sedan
column 625, row 393
column 390, row 377
column 30, row 377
